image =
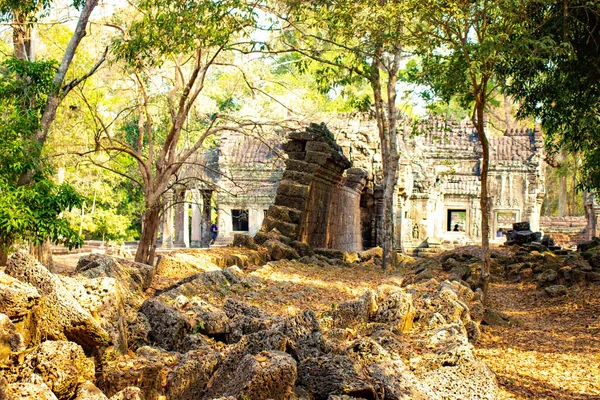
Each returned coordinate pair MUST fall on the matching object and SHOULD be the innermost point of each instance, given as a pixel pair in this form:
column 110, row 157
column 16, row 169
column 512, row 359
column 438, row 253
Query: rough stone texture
column 473, row 380
column 281, row 251
column 89, row 391
column 63, row 318
column 158, row 373
column 556, row 291
column 193, row 342
column 396, row 380
column 267, row 375
column 192, row 374
column 62, row 366
column 245, row 319
column 103, row 298
column 129, row 393
column 233, row 274
column 10, row 339
column 315, row 203
column 327, row 375
column 251, row 344
column 19, row 302
column 375, row 252
column 243, row 240
column 304, row 334
column 397, row 310
column 547, row 277
column 207, row 319
column 131, row 275
column 353, row 313
column 168, row 326
column 31, row 389
column 188, row 262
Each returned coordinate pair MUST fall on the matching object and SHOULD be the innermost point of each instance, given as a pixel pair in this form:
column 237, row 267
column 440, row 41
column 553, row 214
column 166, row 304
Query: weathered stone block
column 298, row 203
column 301, row 166
column 299, row 177
column 64, row 318
column 321, row 147
column 292, row 189
column 521, row 226
column 169, row 326
column 286, row 229
column 294, row 146
column 314, row 157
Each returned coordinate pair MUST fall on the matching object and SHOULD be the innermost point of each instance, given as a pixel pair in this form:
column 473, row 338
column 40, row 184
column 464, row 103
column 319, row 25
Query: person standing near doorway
column 214, row 232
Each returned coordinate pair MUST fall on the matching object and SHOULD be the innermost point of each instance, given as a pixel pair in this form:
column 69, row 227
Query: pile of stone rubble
column 103, row 332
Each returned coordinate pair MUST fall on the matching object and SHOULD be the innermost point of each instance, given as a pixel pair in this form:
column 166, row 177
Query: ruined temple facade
column 438, row 190
column 321, row 186
column 231, row 185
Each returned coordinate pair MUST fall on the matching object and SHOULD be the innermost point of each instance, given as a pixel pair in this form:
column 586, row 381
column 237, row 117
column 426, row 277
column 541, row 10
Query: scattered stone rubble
column 107, row 332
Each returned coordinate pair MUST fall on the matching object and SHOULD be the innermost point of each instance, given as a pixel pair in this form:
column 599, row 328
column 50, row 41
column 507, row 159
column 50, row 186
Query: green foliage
column 170, row 28
column 555, row 76
column 461, row 46
column 32, row 8
column 33, row 213
column 29, row 212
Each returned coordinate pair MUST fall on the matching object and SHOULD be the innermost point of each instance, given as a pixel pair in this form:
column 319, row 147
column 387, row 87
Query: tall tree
column 167, row 53
column 30, row 202
column 22, row 15
column 555, row 73
column 461, row 45
column 356, row 41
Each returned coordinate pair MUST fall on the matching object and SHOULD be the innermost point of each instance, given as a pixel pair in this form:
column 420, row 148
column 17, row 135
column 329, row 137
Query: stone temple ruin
column 324, row 191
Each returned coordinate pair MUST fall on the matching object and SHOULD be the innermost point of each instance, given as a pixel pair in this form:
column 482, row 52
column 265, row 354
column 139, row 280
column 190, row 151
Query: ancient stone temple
column 439, row 188
column 318, row 201
column 327, row 193
column 231, row 185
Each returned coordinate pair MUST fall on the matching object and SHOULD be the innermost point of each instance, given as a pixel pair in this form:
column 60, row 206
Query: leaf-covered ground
column 553, row 349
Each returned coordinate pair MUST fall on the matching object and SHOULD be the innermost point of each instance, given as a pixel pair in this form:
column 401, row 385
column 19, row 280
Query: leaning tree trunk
column 147, row 244
column 484, row 279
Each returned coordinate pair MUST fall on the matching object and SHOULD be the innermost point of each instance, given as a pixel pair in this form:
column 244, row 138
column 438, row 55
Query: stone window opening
column 239, row 220
column 457, row 220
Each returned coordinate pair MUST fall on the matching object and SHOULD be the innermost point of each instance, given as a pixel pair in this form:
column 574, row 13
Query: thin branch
column 67, row 88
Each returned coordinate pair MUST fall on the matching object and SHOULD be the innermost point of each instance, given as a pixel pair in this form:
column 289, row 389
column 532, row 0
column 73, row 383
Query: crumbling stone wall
column 566, row 231
column 318, row 200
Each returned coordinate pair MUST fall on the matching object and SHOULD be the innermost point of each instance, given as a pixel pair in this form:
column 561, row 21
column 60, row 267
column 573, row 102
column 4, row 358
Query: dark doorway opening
column 456, row 220
column 239, row 220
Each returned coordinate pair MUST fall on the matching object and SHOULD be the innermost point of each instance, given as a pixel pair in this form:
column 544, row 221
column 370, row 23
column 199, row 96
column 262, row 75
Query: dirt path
column 553, row 349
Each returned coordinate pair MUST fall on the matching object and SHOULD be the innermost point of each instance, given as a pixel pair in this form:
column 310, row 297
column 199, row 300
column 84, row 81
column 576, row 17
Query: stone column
column 186, row 224
column 205, row 236
column 196, row 221
column 180, row 216
column 167, row 230
column 592, row 214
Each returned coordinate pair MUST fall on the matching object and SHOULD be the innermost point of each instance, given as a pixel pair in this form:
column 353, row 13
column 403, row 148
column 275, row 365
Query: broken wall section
column 318, row 200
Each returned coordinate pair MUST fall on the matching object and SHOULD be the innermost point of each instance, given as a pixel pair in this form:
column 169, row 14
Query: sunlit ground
column 553, row 351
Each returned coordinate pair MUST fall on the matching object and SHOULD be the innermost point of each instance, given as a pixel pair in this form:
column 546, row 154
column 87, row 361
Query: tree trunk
column 205, row 233
column 562, row 196
column 484, row 279
column 22, row 45
column 147, row 245
column 389, row 157
column 43, row 253
column 562, row 187
column 3, row 253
